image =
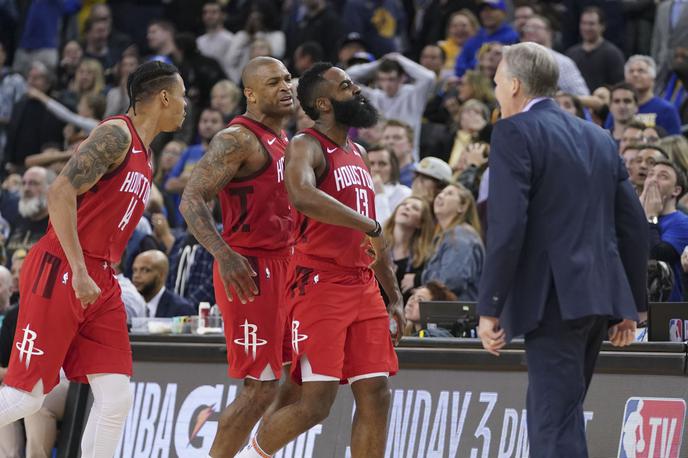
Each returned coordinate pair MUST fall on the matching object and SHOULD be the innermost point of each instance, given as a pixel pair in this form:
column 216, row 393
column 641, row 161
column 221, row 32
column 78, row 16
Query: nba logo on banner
column 676, row 330
column 652, row 428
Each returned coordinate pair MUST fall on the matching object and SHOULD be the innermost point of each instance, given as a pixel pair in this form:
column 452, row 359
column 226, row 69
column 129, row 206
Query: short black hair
column 312, row 49
column 307, row 90
column 389, row 66
column 625, row 87
column 681, row 180
column 163, row 24
column 148, row 79
column 598, row 11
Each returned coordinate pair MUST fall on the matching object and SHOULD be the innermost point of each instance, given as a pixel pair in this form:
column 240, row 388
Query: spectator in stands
column 599, row 61
column 306, row 54
column 648, row 156
column 12, row 88
column 5, row 291
column 622, row 109
column 96, row 34
column 88, row 79
column 538, row 29
column 632, row 134
column 314, row 21
column 72, row 53
column 670, row 32
column 634, row 165
column 397, row 136
column 225, row 97
column 119, row 43
column 210, row 122
column 381, row 24
column 640, row 72
column 676, row 147
column 90, row 111
column 672, row 88
column 160, row 38
column 117, row 98
column 31, row 125
column 459, row 252
column 410, row 230
column 432, row 57
column 475, row 85
column 523, row 11
column 431, row 175
column 461, row 26
column 199, row 72
column 352, row 44
column 217, row 39
column 495, row 27
column 489, row 56
column 262, row 24
column 33, row 208
column 384, row 167
column 39, row 39
column 473, row 119
column 430, row 291
column 369, row 135
column 664, row 186
column 570, row 103
column 149, row 275
column 393, row 97
column 191, row 270
column 134, row 304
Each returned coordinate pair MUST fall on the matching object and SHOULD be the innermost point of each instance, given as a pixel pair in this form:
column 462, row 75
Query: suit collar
column 545, row 104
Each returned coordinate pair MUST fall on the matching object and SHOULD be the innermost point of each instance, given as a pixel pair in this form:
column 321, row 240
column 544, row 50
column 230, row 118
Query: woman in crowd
column 431, row 175
column 475, row 85
column 88, row 79
column 430, row 291
column 411, row 230
column 461, row 26
column 473, row 118
column 72, row 53
column 118, row 96
column 225, row 97
column 384, row 167
column 570, row 103
column 459, row 254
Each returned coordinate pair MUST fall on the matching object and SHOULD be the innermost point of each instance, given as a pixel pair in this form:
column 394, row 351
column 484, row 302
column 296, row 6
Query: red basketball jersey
column 108, row 213
column 257, row 218
column 348, row 180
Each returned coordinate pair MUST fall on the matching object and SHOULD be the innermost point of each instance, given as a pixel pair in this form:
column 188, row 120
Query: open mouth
column 287, row 100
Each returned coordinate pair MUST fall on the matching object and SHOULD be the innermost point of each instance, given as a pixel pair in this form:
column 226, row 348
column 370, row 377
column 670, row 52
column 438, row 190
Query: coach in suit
column 149, row 274
column 566, row 247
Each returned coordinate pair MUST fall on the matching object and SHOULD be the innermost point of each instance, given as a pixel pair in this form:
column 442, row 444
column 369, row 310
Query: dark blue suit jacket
column 172, row 304
column 561, row 214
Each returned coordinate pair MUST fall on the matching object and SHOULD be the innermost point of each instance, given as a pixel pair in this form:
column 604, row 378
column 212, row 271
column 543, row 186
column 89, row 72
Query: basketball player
column 244, row 166
column 340, row 328
column 71, row 313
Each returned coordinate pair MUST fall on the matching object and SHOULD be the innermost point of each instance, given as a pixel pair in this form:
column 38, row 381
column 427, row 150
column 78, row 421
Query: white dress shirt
column 152, row 305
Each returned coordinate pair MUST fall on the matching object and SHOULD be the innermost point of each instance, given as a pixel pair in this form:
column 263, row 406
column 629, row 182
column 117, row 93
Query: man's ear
column 323, row 104
column 250, row 96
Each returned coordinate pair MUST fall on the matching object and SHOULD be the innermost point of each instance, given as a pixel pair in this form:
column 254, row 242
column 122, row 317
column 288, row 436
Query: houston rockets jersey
column 348, row 180
column 257, row 218
column 108, row 213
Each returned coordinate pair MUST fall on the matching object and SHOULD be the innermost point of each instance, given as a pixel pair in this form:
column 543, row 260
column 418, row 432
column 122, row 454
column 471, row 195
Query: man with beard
column 340, row 328
column 244, row 167
column 33, row 208
column 149, row 276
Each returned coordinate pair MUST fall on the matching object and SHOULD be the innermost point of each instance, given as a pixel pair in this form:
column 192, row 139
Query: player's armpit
column 103, row 150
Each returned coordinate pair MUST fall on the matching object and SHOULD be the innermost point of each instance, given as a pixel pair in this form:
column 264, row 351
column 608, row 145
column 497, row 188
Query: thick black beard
column 147, row 290
column 357, row 112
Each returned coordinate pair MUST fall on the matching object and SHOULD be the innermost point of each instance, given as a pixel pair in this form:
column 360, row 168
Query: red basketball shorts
column 54, row 330
column 339, row 323
column 255, row 331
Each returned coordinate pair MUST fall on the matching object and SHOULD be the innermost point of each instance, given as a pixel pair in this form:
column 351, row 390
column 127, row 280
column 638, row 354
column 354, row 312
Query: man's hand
column 492, row 336
column 408, row 282
column 622, row 334
column 396, row 312
column 651, row 199
column 237, row 274
column 85, row 289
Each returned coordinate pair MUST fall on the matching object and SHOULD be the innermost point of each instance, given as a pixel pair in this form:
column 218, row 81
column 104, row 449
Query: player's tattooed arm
column 104, row 149
column 226, row 153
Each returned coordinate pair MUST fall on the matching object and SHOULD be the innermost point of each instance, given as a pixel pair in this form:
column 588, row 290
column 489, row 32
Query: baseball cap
column 353, row 37
column 496, row 4
column 434, row 168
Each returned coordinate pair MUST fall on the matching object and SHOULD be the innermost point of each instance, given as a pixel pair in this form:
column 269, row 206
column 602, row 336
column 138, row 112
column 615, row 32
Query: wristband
column 375, row 232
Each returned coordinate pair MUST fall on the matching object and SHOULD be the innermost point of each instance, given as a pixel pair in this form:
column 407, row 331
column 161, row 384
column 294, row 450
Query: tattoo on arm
column 103, row 148
column 226, row 153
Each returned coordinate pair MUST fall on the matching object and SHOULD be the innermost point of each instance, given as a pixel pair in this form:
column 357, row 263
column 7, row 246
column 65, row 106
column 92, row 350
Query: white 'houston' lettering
column 349, row 175
column 136, row 183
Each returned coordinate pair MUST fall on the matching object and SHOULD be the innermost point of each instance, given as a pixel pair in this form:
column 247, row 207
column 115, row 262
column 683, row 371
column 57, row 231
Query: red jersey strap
column 327, row 141
column 132, row 129
column 259, row 129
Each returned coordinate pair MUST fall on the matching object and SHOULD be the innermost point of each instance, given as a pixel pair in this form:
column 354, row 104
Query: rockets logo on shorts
column 652, row 427
column 250, row 342
column 26, row 346
column 295, row 336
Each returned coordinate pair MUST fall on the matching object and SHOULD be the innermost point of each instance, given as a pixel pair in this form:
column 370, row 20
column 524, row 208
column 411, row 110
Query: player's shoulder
column 304, row 140
column 113, row 134
column 236, row 137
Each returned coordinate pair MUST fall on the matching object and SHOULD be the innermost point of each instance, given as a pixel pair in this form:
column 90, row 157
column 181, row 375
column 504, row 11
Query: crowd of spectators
column 427, row 67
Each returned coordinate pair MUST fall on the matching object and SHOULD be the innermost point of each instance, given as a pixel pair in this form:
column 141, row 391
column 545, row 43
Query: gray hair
column 534, row 66
column 649, row 61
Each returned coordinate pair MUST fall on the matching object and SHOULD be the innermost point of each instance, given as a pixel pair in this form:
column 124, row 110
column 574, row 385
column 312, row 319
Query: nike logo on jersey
column 331, row 150
column 136, row 151
column 271, row 141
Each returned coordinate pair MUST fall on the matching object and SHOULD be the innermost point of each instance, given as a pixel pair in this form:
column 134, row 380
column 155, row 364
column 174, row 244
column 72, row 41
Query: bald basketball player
column 244, row 167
